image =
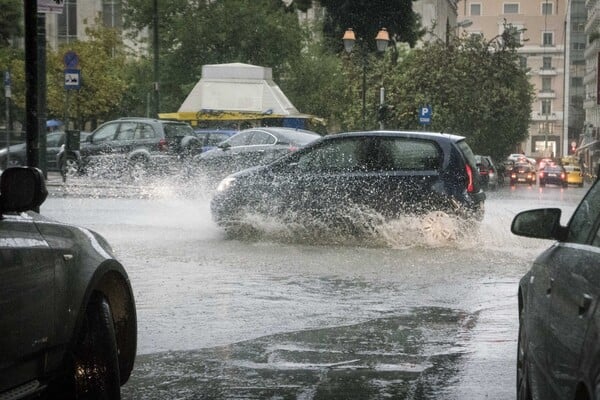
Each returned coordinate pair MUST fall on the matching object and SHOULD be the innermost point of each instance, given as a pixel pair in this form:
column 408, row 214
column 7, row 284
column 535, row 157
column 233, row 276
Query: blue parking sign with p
column 425, row 115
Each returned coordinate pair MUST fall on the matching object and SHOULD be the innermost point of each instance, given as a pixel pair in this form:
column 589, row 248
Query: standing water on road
column 290, row 315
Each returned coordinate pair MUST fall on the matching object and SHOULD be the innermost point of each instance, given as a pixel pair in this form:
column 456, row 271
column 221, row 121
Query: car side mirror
column 224, row 146
column 542, row 223
column 22, row 189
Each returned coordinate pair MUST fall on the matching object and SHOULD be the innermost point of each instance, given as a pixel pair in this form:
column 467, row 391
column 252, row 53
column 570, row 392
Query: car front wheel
column 523, row 390
column 95, row 367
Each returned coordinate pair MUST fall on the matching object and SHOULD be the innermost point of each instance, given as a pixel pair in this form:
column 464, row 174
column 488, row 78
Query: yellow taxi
column 574, row 175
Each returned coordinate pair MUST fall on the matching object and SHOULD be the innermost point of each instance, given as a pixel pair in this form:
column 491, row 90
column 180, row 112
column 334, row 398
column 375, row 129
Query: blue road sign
column 72, row 79
column 425, row 115
column 71, row 60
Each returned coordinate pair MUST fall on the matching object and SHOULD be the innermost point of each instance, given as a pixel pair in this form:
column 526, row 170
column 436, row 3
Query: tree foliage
column 11, row 20
column 367, row 17
column 196, row 33
column 476, row 88
column 102, row 59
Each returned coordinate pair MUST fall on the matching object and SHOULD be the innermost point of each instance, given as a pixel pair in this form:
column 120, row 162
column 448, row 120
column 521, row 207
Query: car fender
column 589, row 364
column 87, row 266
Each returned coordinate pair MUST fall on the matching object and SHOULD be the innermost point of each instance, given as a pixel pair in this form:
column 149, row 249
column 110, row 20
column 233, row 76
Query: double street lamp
column 382, row 40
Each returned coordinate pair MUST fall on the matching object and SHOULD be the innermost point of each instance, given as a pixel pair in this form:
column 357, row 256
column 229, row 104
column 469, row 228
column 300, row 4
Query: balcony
column 546, row 94
column 552, row 117
column 547, row 71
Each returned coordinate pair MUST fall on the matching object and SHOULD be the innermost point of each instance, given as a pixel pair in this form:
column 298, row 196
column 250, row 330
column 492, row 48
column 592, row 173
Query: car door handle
column 585, row 303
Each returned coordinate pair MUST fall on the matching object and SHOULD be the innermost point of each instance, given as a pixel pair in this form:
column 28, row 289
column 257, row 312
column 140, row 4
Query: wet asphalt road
column 290, row 316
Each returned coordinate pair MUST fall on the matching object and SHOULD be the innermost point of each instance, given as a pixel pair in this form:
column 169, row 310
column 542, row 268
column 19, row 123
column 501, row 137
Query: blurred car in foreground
column 559, row 319
column 553, row 174
column 574, row 175
column 522, row 173
column 389, row 173
column 488, row 173
column 67, row 314
column 138, row 146
column 251, row 147
column 211, row 138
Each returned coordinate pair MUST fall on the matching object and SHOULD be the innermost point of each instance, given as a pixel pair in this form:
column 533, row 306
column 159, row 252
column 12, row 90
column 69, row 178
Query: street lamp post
column 382, row 40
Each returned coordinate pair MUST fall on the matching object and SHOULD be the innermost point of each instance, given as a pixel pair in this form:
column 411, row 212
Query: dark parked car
column 488, row 173
column 252, row 147
column 522, row 173
column 67, row 312
column 55, row 160
column 138, row 146
column 559, row 319
column 211, row 138
column 553, row 174
column 390, row 173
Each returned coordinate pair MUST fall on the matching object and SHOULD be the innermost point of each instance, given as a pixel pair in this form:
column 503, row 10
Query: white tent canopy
column 238, row 87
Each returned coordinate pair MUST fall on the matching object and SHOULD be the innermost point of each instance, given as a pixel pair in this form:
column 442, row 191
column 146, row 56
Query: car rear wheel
column 138, row 169
column 95, row 368
column 438, row 226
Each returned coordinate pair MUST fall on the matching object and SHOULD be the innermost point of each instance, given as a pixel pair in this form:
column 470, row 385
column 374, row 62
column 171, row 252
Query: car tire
column 523, row 389
column 138, row 169
column 69, row 167
column 95, row 366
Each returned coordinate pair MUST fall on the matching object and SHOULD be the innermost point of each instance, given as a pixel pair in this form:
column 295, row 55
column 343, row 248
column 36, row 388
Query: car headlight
column 225, row 184
column 3, row 151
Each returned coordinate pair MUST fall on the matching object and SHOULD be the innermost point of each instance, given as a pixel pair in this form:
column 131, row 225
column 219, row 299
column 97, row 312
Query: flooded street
column 290, row 315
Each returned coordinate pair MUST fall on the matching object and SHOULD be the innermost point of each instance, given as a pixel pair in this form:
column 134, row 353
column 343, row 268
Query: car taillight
column 292, row 148
column 541, row 174
column 513, row 175
column 163, row 145
column 470, row 187
column 562, row 175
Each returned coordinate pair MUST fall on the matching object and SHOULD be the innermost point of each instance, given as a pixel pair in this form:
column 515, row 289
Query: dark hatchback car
column 138, row 146
column 391, row 173
column 553, row 174
column 559, row 319
column 252, row 147
column 211, row 138
column 522, row 173
column 67, row 313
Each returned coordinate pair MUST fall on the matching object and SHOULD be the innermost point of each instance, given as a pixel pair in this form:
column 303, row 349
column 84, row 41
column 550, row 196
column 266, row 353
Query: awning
column 587, row 145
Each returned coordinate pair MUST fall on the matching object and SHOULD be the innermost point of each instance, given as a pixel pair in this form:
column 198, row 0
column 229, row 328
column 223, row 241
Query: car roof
column 437, row 136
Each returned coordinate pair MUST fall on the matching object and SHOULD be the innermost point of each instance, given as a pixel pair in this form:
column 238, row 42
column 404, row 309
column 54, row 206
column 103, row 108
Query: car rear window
column 177, row 130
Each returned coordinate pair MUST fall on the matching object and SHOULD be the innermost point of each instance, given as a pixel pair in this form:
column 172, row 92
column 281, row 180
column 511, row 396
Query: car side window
column 126, row 131
column 334, row 156
column 412, row 155
column 54, row 140
column 584, row 222
column 144, row 131
column 241, row 139
column 107, row 132
column 262, row 138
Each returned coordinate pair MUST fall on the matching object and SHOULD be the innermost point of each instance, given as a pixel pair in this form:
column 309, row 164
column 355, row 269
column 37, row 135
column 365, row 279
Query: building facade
column 542, row 29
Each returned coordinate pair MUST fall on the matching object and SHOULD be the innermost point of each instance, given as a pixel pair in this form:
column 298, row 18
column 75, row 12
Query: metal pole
column 156, row 65
column 31, row 81
column 381, row 104
column 364, row 90
column 7, row 95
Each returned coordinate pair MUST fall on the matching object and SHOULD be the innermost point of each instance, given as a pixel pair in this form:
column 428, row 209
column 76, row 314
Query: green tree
column 11, row 21
column 367, row 17
column 475, row 86
column 196, row 33
column 102, row 59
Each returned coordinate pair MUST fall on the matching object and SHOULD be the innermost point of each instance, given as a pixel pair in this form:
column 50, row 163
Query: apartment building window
column 546, row 84
column 547, row 63
column 547, row 8
column 67, row 22
column 547, row 39
column 475, row 9
column 111, row 14
column 511, row 8
column 546, row 106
